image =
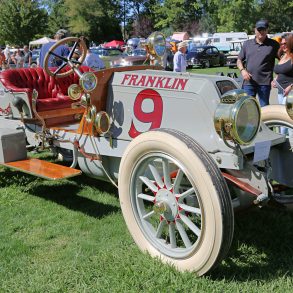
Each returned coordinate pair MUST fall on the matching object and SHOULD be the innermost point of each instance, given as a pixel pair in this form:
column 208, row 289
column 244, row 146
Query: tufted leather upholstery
column 52, row 91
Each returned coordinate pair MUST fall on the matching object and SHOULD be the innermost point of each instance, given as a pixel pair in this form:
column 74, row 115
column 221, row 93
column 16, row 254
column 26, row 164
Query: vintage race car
column 184, row 149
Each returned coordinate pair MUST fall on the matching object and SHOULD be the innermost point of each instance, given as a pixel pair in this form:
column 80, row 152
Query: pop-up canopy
column 180, row 36
column 40, row 41
column 114, row 43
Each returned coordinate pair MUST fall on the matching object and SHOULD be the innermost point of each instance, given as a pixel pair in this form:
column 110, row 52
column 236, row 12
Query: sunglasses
column 261, row 29
column 283, row 44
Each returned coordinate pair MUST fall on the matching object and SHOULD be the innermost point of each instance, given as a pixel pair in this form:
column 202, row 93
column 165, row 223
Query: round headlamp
column 237, row 117
column 88, row 81
column 74, row 91
column 102, row 122
column 289, row 104
column 156, row 44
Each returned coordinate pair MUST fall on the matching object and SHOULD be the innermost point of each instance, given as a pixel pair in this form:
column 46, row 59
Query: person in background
column 179, row 58
column 7, row 55
column 19, row 57
column 2, row 60
column 284, row 69
column 60, row 51
column 92, row 60
column 27, row 59
column 256, row 62
column 13, row 59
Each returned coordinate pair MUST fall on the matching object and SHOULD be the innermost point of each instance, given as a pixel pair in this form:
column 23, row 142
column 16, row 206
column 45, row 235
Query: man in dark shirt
column 62, row 51
column 27, row 59
column 258, row 55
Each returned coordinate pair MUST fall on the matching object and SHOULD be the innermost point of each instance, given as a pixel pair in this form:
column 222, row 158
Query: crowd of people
column 18, row 58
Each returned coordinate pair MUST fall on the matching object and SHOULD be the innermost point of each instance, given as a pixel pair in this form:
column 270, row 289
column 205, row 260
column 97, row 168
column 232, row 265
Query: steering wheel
column 66, row 60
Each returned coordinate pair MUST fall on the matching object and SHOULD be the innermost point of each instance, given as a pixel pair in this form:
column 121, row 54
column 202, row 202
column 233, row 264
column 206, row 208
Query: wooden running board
column 43, row 169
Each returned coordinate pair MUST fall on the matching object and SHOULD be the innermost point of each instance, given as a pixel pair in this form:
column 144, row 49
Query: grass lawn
column 215, row 70
column 70, row 236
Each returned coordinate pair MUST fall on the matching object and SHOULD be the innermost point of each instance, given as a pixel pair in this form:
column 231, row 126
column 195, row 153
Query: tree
column 241, row 15
column 21, row 21
column 96, row 19
column 58, row 17
column 279, row 13
column 237, row 15
column 178, row 14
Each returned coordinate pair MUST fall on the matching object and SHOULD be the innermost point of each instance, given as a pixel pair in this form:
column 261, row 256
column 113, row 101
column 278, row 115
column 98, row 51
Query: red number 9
column 154, row 117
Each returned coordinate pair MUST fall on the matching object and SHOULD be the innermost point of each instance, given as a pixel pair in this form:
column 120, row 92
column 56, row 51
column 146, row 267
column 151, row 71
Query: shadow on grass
column 64, row 192
column 262, row 247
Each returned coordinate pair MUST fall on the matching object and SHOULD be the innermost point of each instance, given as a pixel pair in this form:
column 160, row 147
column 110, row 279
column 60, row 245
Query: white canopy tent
column 40, row 41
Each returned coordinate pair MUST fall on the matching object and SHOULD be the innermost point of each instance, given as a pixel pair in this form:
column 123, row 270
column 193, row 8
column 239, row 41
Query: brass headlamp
column 156, row 44
column 237, row 117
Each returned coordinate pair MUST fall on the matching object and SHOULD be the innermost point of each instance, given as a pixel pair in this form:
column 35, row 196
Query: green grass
column 215, row 70
column 70, row 236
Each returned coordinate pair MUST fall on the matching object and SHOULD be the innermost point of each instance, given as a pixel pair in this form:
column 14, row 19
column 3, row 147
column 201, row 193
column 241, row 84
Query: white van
column 222, row 41
column 227, row 37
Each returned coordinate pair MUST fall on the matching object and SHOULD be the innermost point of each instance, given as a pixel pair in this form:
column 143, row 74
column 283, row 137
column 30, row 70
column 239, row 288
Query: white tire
column 175, row 201
column 276, row 115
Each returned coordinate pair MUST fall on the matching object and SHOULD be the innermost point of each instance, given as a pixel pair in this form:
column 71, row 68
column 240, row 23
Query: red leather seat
column 52, row 92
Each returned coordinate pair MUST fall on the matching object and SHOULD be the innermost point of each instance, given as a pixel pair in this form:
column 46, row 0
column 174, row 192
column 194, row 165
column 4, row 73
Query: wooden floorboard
column 43, row 169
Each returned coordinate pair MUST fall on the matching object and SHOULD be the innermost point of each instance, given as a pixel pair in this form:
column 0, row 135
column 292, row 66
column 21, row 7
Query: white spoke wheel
column 276, row 118
column 175, row 201
column 67, row 61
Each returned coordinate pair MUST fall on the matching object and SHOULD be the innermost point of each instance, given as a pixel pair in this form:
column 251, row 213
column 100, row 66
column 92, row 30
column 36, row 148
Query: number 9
column 154, row 117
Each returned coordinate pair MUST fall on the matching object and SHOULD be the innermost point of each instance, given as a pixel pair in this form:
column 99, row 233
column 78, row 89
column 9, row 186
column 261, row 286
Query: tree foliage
column 104, row 20
column 96, row 19
column 58, row 17
column 20, row 21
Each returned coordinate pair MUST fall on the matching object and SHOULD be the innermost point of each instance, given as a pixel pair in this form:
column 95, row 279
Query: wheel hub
column 166, row 204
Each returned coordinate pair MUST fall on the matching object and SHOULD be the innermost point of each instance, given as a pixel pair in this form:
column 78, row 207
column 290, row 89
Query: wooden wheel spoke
column 190, row 209
column 190, row 225
column 148, row 215
column 160, row 229
column 149, row 183
column 146, row 197
column 172, row 235
column 156, row 175
column 166, row 172
column 178, row 180
column 186, row 193
column 183, row 234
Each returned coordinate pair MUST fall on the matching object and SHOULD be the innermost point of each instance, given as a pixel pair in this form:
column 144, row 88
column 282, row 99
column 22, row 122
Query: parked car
column 135, row 57
column 183, row 149
column 108, row 54
column 204, row 56
column 232, row 55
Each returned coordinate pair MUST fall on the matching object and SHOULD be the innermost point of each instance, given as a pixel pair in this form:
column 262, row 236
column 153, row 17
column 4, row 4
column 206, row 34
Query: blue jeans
column 263, row 92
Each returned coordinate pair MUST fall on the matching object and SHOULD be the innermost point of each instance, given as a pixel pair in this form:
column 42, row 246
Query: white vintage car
column 184, row 149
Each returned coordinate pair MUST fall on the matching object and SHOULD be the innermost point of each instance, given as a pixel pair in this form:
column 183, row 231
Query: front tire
column 175, row 201
column 276, row 117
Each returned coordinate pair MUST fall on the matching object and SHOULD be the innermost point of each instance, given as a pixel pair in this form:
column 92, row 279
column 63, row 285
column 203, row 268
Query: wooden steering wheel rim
column 73, row 66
